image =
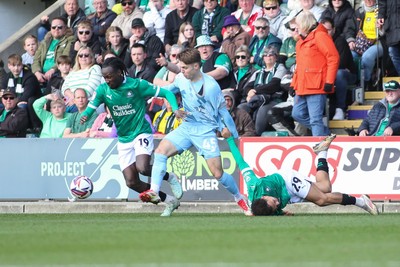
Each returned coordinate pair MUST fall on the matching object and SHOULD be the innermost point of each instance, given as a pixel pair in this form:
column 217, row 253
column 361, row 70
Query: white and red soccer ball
column 81, row 187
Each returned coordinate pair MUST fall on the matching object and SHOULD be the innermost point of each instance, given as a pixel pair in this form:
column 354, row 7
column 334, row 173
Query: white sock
column 360, row 202
column 323, row 154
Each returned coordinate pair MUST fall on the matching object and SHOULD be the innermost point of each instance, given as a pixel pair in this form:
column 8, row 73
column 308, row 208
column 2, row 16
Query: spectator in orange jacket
column 317, row 63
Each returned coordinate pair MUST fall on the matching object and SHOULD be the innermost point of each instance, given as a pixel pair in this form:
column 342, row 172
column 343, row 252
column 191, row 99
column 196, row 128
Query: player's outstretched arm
column 243, row 166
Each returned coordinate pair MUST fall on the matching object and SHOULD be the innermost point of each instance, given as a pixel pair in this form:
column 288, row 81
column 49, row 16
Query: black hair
column 137, row 45
column 329, row 20
column 60, row 18
column 116, row 64
column 260, row 207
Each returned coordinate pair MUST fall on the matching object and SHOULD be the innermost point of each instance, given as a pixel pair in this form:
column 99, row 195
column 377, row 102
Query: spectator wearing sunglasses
column 56, row 43
column 85, row 37
column 73, row 15
column 124, row 20
column 85, row 74
column 275, row 17
column 261, row 39
column 13, row 119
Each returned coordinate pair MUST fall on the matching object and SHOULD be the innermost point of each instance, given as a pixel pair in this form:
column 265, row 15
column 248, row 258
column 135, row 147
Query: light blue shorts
column 203, row 138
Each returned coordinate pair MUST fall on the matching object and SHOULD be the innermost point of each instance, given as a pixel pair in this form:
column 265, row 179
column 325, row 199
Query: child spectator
column 30, row 46
column 26, row 86
column 54, row 122
column 57, row 79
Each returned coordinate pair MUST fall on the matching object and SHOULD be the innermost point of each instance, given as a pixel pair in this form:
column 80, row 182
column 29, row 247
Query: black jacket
column 240, row 93
column 30, row 84
column 147, row 73
column 390, row 11
column 344, row 19
column 15, row 123
column 346, row 57
column 376, row 116
column 154, row 46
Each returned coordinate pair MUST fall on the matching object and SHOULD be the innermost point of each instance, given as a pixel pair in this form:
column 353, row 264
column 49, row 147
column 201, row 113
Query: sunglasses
column 84, row 32
column 209, row 0
column 83, row 55
column 58, row 27
column 126, row 3
column 271, row 7
column 261, row 27
column 242, row 57
column 8, row 97
column 269, row 55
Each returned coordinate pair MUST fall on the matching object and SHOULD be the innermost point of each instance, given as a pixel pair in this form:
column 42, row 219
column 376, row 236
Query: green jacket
column 63, row 48
column 217, row 21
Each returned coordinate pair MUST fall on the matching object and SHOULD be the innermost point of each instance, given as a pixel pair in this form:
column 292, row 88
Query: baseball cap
column 8, row 91
column 391, row 86
column 137, row 23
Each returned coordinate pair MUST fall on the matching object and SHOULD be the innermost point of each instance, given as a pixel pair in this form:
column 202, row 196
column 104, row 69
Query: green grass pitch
column 199, row 240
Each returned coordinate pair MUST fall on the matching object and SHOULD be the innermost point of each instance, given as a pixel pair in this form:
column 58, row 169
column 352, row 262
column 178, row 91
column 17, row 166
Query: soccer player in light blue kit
column 204, row 114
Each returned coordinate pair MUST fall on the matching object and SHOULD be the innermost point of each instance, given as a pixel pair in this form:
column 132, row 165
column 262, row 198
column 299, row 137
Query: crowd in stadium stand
column 277, row 61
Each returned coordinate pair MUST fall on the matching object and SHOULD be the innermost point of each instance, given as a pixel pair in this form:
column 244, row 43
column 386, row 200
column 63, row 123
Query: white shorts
column 297, row 184
column 127, row 152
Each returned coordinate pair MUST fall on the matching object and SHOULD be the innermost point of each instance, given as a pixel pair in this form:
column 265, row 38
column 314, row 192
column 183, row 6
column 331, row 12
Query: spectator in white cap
column 216, row 64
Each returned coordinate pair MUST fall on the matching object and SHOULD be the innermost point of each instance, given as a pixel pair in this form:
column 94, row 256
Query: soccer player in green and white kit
column 270, row 194
column 125, row 98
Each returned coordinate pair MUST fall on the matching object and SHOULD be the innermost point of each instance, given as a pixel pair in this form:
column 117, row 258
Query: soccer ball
column 81, row 187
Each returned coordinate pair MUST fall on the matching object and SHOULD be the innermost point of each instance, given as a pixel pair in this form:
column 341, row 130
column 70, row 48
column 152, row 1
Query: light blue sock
column 229, row 183
column 158, row 171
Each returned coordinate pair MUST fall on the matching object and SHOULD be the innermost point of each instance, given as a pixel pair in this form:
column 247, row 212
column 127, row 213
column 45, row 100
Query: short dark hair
column 327, row 20
column 260, row 207
column 139, row 45
column 190, row 56
column 60, row 18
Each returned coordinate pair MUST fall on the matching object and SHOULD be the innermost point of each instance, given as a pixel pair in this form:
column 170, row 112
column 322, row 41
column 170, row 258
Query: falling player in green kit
column 125, row 98
column 270, row 194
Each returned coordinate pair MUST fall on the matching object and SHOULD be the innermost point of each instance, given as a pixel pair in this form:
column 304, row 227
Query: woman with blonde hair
column 85, row 74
